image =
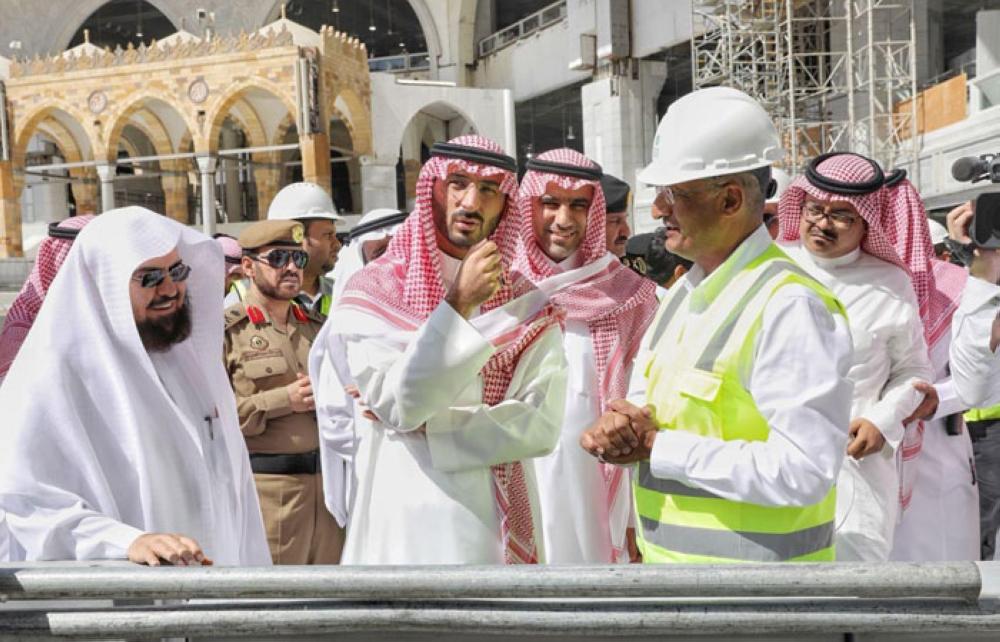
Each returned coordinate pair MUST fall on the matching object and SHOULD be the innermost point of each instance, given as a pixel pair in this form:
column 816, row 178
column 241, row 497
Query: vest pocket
column 699, row 384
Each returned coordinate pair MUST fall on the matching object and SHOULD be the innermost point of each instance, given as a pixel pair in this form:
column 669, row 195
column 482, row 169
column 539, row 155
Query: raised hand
column 478, row 278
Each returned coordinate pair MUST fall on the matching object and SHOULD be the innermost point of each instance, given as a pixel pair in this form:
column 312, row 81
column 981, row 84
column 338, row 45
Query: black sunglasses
column 278, row 258
column 179, row 272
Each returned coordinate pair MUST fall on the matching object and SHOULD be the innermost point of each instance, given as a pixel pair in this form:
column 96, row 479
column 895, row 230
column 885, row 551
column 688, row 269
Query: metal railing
column 403, row 62
column 537, row 21
column 558, row 601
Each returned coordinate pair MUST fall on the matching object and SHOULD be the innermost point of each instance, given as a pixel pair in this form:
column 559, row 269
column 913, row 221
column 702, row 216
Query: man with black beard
column 120, row 434
column 268, row 336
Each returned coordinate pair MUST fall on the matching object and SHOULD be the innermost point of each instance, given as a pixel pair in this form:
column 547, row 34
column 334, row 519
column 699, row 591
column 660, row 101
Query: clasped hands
column 622, row 435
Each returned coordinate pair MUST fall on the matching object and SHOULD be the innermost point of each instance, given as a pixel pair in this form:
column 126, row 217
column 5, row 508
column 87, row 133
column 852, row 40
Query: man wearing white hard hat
column 738, row 406
column 311, row 205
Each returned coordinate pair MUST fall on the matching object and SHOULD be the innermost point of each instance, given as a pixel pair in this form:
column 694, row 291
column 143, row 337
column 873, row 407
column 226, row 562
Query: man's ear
column 247, row 263
column 732, row 199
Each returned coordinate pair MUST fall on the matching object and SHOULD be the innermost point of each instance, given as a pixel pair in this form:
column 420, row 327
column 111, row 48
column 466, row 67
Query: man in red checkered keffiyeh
column 562, row 250
column 51, row 253
column 937, row 481
column 837, row 223
column 456, row 382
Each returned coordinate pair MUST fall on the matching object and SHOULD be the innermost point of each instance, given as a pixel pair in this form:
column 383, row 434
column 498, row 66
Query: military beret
column 273, row 232
column 647, row 255
column 616, row 193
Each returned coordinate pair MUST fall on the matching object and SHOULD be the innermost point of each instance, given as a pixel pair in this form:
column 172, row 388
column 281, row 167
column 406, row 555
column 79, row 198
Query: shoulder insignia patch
column 234, row 314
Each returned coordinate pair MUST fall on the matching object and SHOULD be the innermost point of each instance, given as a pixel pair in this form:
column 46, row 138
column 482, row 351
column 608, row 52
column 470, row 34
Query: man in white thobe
column 120, row 431
column 833, row 224
column 456, row 385
column 586, row 505
column 367, row 241
column 939, row 485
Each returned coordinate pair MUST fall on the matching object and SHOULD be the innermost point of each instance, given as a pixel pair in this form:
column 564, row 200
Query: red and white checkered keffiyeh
column 616, row 304
column 848, row 168
column 21, row 315
column 939, row 288
column 404, row 286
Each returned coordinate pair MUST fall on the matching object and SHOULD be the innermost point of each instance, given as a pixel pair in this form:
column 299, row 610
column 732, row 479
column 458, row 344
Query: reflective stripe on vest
column 983, row 414
column 694, row 384
column 241, row 287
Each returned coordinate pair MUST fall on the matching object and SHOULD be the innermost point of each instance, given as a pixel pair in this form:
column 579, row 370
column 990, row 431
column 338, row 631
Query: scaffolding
column 831, row 73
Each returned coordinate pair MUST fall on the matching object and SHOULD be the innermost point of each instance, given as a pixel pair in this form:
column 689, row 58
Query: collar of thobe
column 704, row 289
column 834, row 263
column 449, row 269
column 571, row 262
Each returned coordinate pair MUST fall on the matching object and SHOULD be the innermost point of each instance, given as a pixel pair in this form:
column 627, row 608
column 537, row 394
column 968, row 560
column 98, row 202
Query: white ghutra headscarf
column 100, row 444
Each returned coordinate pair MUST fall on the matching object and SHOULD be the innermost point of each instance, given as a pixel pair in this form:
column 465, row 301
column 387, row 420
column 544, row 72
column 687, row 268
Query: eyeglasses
column 839, row 218
column 280, row 258
column 178, row 272
column 670, row 194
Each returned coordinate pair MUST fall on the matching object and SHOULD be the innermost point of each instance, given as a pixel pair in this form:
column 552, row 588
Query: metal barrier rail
column 541, row 601
column 960, row 580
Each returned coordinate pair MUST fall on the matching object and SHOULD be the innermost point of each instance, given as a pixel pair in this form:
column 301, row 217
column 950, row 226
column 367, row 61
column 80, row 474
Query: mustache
column 827, row 234
column 467, row 214
column 163, row 299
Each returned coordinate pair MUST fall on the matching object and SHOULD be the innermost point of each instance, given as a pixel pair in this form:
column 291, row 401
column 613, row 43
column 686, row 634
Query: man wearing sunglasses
column 268, row 336
column 837, row 223
column 120, row 433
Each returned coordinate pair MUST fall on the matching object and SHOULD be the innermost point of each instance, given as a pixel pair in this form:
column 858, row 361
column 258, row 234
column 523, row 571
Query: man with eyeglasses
column 836, row 223
column 120, row 433
column 737, row 407
column 267, row 342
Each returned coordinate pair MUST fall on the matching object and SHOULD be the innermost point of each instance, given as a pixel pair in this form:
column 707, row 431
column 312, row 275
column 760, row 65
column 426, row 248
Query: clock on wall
column 97, row 102
column 198, row 91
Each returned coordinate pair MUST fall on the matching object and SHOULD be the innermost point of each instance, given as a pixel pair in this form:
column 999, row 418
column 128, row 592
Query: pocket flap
column 699, row 384
column 267, row 367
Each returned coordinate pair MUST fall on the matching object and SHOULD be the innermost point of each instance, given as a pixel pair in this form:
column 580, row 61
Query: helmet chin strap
column 834, row 186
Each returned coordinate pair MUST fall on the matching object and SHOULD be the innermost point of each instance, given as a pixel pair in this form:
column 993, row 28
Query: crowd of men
column 504, row 376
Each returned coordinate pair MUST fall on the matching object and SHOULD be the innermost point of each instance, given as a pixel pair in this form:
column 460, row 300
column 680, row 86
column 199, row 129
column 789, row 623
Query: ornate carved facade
column 280, row 83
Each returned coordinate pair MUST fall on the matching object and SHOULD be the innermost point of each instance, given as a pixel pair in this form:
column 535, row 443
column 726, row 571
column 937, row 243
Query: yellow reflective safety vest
column 983, row 414
column 694, row 384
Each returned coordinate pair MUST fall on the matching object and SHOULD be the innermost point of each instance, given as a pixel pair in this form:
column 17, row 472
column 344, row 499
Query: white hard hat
column 711, row 132
column 938, row 232
column 300, row 201
column 782, row 179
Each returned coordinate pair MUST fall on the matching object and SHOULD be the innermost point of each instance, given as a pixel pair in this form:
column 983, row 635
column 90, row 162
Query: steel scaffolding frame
column 830, row 72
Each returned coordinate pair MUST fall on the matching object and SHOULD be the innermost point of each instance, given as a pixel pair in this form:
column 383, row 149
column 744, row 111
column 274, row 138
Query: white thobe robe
column 577, row 527
column 425, row 490
column 104, row 441
column 890, row 355
column 798, row 382
column 941, row 524
column 974, row 367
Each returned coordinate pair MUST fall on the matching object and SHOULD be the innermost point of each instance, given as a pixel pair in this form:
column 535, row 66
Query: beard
column 271, row 291
column 159, row 334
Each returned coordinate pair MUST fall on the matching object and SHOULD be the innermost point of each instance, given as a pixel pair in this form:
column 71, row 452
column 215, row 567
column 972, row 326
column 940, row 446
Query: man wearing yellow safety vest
column 739, row 404
column 311, row 205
